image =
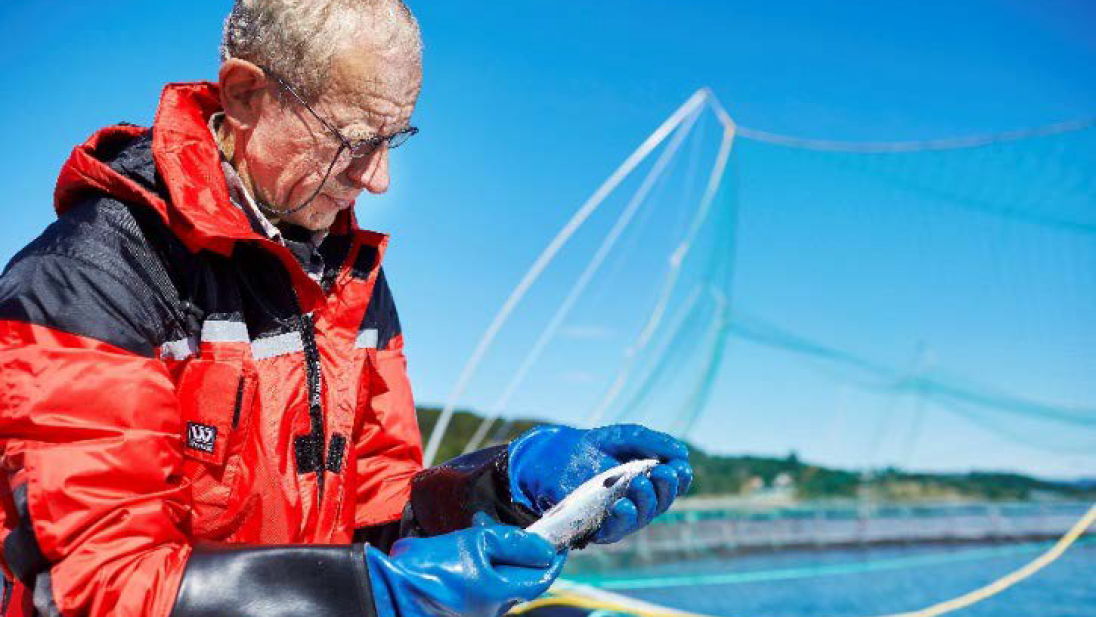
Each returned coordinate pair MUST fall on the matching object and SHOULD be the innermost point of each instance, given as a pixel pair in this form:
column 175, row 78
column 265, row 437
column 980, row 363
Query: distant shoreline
column 789, row 480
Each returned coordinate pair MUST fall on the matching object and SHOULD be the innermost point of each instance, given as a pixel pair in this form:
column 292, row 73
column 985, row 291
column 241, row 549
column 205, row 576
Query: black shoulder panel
column 135, row 161
column 90, row 274
column 381, row 313
column 275, row 581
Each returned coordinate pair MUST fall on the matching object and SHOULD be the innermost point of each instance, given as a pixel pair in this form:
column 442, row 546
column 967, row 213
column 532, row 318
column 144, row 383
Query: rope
column 597, row 605
column 591, row 269
column 936, row 388
column 595, row 600
column 670, row 282
column 827, row 145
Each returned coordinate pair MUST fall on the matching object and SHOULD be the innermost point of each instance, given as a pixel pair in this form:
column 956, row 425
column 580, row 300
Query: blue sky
column 528, row 106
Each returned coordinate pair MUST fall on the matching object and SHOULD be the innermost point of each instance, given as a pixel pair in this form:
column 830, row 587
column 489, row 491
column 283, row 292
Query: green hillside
column 735, row 475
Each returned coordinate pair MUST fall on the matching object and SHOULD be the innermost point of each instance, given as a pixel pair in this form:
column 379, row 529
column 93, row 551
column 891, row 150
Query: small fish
column 580, row 513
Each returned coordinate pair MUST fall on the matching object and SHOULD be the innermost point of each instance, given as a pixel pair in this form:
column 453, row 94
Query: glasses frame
column 364, row 147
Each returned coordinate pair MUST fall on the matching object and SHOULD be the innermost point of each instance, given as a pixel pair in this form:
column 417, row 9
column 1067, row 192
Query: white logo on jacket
column 201, row 436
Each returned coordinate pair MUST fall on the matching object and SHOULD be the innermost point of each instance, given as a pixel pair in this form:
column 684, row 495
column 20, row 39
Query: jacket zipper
column 307, row 328
column 315, row 397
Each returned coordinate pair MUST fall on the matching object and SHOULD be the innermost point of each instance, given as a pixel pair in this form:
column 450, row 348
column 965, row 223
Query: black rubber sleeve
column 445, row 498
column 380, row 537
column 275, row 581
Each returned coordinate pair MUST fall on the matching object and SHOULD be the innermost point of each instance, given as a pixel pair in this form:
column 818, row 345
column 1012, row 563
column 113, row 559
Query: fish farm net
column 904, row 313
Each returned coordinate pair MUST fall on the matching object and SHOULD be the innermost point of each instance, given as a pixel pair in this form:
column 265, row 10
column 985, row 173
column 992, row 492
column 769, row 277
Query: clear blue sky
column 527, row 106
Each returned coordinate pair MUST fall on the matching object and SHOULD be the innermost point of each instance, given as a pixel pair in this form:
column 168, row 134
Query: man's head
column 356, row 63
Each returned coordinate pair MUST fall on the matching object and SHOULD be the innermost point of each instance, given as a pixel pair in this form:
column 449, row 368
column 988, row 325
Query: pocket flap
column 212, row 395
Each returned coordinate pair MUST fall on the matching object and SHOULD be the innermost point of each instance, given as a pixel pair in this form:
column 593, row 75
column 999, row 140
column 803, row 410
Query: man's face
column 289, row 151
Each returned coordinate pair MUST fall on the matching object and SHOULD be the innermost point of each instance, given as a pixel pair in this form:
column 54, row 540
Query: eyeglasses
column 359, row 148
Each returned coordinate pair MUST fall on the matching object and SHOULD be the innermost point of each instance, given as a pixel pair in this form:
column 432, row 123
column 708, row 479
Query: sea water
column 863, row 582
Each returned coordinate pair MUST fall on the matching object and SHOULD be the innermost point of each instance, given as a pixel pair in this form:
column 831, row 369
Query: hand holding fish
column 547, row 463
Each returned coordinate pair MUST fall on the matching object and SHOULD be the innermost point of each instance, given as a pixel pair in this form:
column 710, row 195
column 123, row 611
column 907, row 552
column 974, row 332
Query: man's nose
column 370, row 172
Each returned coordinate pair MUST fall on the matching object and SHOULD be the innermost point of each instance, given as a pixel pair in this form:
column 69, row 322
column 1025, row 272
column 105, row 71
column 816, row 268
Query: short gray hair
column 297, row 39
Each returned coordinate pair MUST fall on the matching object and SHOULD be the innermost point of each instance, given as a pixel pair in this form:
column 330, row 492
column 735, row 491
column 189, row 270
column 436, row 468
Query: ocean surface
column 863, row 582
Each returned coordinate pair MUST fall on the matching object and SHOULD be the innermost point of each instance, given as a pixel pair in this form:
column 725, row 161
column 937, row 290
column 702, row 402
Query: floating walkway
column 710, row 529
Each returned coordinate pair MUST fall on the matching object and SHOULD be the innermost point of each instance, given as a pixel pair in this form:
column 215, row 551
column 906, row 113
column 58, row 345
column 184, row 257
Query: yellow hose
column 1012, row 578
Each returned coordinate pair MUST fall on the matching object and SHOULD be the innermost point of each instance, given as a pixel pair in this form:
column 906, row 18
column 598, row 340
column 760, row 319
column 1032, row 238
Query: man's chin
column 320, row 215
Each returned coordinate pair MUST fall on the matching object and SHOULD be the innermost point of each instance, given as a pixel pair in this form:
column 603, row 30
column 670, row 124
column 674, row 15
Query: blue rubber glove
column 480, row 571
column 548, row 462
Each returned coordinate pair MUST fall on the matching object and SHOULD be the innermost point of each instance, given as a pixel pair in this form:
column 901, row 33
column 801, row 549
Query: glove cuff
column 446, row 497
column 378, row 567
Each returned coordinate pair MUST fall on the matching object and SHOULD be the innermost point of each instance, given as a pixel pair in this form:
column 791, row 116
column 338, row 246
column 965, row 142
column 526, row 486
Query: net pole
column 676, row 259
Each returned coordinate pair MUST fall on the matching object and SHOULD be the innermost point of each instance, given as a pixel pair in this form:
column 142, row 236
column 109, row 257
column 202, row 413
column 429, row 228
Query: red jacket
column 170, row 377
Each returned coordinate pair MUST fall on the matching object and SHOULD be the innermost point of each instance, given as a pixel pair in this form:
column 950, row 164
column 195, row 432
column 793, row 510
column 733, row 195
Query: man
column 204, row 408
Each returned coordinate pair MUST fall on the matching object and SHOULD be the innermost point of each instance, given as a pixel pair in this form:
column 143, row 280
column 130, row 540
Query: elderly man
column 204, row 408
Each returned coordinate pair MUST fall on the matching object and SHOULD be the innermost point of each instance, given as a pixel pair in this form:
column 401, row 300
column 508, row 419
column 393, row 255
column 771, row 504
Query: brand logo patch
column 201, row 436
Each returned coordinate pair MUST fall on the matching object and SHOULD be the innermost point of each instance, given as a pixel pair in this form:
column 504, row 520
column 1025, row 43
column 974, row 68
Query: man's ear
column 242, row 85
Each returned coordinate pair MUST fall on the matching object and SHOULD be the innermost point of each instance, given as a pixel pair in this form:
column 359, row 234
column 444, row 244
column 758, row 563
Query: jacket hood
column 182, row 181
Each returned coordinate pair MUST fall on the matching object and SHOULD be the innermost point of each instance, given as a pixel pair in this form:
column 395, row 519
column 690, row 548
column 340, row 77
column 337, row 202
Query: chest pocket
column 216, row 397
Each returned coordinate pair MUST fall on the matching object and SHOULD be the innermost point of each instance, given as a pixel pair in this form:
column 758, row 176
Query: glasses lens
column 363, row 148
column 366, row 147
column 401, row 138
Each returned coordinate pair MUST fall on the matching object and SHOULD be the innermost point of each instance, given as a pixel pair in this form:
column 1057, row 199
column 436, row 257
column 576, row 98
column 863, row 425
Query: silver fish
column 583, row 511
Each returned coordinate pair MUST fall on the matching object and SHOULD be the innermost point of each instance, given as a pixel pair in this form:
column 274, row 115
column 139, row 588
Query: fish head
column 617, row 480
